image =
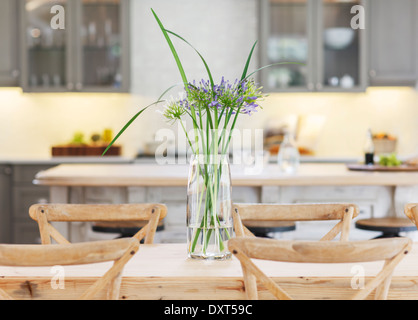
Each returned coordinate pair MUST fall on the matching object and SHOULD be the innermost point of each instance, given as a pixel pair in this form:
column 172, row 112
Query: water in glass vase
column 209, row 243
column 209, row 218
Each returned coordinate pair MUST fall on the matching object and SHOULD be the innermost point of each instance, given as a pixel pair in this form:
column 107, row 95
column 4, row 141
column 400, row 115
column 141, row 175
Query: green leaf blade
column 127, row 125
column 173, row 50
column 247, row 64
column 201, row 57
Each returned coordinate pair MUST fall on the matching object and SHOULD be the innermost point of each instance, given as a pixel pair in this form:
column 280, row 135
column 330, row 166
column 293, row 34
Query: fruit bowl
column 338, row 38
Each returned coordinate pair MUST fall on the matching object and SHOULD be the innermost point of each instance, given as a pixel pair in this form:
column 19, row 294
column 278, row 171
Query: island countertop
column 320, row 174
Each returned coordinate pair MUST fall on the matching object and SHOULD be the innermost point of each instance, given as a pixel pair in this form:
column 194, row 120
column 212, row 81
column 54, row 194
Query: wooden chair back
column 296, row 212
column 411, row 211
column 391, row 250
column 120, row 251
column 46, row 213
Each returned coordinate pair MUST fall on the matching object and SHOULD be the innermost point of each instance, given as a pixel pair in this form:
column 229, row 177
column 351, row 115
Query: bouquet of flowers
column 213, row 110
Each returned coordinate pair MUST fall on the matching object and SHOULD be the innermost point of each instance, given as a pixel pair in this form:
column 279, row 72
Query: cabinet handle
column 319, row 86
column 70, row 86
column 79, row 86
column 7, row 171
column 372, row 73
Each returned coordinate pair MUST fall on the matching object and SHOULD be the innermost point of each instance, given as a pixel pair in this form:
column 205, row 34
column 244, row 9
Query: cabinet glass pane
column 101, row 39
column 341, row 45
column 46, row 44
column 287, row 42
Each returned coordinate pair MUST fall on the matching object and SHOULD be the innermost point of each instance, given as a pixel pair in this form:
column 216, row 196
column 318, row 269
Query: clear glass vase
column 209, row 219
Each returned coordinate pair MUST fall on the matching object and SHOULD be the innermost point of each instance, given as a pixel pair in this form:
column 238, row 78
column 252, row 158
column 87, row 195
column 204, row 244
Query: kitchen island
column 378, row 194
column 176, row 175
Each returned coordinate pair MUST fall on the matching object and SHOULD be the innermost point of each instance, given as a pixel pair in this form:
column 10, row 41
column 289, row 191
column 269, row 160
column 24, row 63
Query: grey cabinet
column 5, row 203
column 9, row 70
column 393, row 31
column 75, row 45
column 17, row 194
column 24, row 194
column 330, row 54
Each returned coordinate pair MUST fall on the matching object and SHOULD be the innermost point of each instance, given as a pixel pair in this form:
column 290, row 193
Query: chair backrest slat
column 70, row 254
column 294, row 212
column 323, row 251
column 97, row 212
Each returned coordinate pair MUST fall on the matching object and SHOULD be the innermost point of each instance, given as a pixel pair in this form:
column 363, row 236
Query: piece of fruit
column 107, row 135
column 389, row 160
column 78, row 138
column 95, row 137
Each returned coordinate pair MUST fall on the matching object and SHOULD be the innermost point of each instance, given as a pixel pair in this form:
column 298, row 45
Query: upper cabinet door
column 9, row 71
column 285, row 37
column 341, row 51
column 394, row 42
column 45, row 46
column 320, row 37
column 75, row 45
column 104, row 39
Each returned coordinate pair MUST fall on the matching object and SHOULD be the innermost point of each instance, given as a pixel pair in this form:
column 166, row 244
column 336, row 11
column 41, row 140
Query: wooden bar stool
column 390, row 227
column 124, row 229
column 263, row 228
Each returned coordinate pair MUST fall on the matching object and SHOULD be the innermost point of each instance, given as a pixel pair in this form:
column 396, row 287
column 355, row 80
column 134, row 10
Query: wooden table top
column 176, row 175
column 163, row 271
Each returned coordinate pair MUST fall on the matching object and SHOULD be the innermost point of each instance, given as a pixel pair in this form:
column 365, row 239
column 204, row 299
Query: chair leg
column 250, row 285
column 114, row 288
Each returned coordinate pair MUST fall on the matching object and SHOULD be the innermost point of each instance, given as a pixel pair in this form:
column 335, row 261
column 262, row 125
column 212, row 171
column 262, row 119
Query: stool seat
column 262, row 228
column 125, row 229
column 390, row 227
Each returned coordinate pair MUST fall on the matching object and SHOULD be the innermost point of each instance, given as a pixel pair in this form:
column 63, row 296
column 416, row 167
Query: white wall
column 222, row 31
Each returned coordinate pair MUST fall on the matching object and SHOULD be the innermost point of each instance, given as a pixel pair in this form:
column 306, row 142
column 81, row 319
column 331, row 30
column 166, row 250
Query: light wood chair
column 46, row 213
column 120, row 251
column 392, row 251
column 411, row 211
column 296, row 212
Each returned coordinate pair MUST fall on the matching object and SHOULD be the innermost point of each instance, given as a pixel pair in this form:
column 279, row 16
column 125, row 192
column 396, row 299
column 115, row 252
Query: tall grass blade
column 173, row 50
column 247, row 64
column 134, row 118
column 201, row 57
column 271, row 65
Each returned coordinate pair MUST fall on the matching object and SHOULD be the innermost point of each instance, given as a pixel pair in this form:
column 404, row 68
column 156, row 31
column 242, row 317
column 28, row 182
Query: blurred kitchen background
column 111, row 60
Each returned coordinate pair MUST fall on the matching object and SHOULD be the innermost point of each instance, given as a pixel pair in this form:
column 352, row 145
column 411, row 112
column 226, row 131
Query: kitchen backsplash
column 31, row 123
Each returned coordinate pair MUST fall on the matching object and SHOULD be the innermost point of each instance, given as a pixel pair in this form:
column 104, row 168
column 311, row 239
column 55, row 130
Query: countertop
column 30, row 160
column 311, row 174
